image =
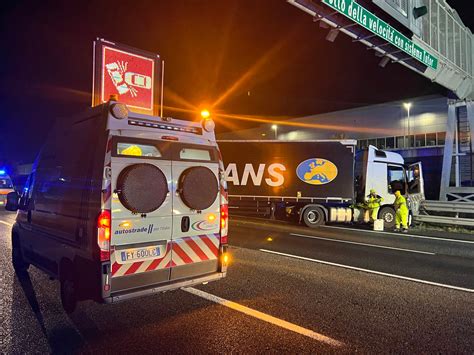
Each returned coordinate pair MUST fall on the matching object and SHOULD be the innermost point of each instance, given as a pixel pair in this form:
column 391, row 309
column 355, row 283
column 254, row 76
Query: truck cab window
column 395, row 179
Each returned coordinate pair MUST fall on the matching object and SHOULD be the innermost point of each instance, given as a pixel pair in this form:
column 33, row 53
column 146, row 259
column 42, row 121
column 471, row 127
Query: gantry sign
column 369, row 21
column 427, row 36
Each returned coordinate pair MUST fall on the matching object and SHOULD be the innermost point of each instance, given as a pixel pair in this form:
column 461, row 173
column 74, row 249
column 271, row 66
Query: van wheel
column 68, row 295
column 18, row 262
column 313, row 217
column 388, row 216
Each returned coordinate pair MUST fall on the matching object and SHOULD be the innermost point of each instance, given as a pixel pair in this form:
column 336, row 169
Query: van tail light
column 224, row 223
column 103, row 234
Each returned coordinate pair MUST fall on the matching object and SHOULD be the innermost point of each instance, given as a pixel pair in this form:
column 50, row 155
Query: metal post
column 456, row 147
column 448, row 151
column 470, row 119
column 162, row 86
column 408, row 119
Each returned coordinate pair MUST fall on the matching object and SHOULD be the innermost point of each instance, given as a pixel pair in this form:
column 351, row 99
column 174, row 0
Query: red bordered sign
column 131, row 73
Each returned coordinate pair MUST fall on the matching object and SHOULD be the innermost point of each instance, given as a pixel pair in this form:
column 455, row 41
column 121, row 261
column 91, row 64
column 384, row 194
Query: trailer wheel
column 313, row 217
column 388, row 215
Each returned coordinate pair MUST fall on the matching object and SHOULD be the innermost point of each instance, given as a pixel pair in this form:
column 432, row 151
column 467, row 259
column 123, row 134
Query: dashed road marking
column 363, row 244
column 265, row 317
column 369, row 271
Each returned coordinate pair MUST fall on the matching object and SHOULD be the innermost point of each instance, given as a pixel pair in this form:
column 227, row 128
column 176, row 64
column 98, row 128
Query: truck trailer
column 316, row 181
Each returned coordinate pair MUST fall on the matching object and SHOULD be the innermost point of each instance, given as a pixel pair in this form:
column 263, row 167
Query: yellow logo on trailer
column 316, row 171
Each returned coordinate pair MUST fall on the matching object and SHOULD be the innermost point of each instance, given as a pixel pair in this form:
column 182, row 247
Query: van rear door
column 196, row 210
column 141, row 213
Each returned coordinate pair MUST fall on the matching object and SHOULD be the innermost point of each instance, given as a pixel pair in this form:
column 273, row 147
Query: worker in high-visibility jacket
column 401, row 216
column 373, row 204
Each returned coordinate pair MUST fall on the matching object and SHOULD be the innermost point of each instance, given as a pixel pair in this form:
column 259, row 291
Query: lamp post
column 275, row 128
column 407, row 106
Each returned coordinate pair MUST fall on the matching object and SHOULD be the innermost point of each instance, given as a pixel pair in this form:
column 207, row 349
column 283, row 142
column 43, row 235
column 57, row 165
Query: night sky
column 279, row 58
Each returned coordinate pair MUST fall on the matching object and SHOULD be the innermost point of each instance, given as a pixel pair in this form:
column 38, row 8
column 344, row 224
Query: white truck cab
column 386, row 172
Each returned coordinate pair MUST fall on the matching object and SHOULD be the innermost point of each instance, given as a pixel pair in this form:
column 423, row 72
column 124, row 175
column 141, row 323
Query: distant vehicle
column 6, row 186
column 120, row 205
column 317, row 181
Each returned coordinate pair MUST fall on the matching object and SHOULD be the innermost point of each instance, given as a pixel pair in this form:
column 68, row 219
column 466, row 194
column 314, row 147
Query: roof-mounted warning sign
column 131, row 73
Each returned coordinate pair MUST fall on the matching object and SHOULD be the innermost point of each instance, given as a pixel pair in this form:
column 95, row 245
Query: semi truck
column 317, row 181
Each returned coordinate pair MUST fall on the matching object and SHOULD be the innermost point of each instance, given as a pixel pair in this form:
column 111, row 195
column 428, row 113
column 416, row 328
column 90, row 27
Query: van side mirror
column 12, row 201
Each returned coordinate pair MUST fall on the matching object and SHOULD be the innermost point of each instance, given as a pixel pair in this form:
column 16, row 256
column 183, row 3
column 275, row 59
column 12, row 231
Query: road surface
column 289, row 289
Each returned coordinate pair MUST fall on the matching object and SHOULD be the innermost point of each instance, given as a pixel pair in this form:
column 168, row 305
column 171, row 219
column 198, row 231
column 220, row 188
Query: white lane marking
column 6, row 223
column 370, row 271
column 364, row 244
column 265, row 317
column 403, row 235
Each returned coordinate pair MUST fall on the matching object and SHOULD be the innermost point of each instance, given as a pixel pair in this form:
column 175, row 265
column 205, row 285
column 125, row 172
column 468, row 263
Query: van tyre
column 68, row 295
column 313, row 217
column 19, row 264
column 388, row 216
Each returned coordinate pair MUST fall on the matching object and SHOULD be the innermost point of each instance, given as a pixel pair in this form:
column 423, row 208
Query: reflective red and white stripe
column 182, row 251
column 141, row 266
column 195, row 249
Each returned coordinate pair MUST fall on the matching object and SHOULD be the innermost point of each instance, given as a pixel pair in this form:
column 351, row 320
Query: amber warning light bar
column 167, row 126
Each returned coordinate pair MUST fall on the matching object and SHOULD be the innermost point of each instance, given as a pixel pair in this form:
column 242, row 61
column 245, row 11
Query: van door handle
column 185, row 224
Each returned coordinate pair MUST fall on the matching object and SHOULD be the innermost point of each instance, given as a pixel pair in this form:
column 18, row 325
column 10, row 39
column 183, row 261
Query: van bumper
column 130, row 294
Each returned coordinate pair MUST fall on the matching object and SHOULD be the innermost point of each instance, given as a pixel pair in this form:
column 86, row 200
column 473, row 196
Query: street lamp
column 275, row 128
column 407, row 106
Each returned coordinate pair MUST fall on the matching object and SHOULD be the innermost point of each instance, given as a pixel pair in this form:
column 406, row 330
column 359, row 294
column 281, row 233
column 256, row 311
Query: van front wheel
column 68, row 295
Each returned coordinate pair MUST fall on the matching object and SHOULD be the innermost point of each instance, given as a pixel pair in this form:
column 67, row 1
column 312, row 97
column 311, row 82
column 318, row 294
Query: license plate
column 140, row 254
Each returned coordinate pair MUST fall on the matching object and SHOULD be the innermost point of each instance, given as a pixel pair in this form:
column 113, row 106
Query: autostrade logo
column 147, row 230
column 316, row 171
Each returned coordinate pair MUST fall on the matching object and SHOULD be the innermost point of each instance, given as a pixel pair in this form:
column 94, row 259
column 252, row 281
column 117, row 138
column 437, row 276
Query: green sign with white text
column 368, row 20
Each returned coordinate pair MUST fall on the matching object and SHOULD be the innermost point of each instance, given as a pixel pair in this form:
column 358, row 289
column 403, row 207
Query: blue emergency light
column 2, row 172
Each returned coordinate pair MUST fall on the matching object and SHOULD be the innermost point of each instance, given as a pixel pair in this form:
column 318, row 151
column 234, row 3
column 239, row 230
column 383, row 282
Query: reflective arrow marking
column 369, row 271
column 265, row 317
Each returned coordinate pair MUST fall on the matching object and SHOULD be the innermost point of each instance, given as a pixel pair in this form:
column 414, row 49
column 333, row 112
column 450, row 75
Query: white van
column 120, row 205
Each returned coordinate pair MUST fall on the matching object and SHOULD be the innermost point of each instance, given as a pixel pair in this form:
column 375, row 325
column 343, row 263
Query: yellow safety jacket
column 401, row 204
column 374, row 201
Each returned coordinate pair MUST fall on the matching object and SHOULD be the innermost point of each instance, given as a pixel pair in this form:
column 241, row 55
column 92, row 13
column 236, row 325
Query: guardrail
column 435, row 212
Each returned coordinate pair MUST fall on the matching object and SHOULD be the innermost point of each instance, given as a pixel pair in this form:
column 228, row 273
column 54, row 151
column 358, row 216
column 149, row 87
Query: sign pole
column 162, row 86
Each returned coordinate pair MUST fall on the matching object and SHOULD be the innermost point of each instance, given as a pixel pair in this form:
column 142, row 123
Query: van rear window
column 195, row 154
column 137, row 150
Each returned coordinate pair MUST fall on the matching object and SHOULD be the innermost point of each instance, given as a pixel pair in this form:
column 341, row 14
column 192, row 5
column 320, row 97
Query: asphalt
column 361, row 311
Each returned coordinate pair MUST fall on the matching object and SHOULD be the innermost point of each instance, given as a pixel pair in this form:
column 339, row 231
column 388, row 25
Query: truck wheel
column 68, row 293
column 18, row 262
column 388, row 216
column 313, row 217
